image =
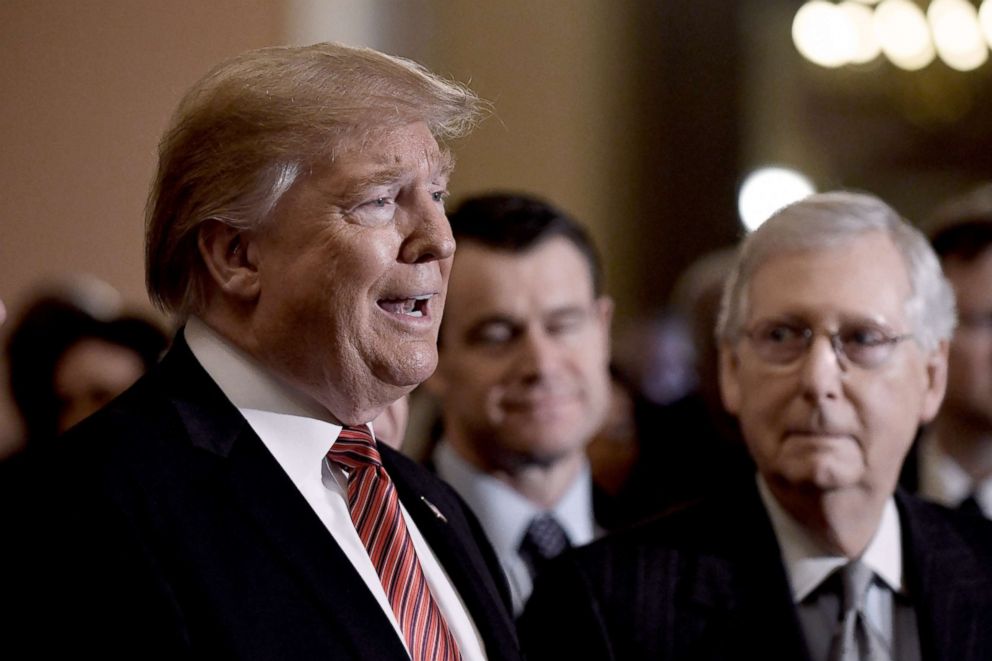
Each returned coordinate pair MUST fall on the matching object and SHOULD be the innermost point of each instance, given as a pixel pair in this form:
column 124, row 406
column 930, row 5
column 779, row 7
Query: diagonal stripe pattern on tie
column 375, row 511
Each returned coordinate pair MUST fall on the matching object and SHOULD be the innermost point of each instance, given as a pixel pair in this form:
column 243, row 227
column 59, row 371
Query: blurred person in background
column 70, row 352
column 523, row 378
column 688, row 446
column 954, row 455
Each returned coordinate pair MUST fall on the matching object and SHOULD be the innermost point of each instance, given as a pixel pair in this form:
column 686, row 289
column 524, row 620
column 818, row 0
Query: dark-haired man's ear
column 229, row 255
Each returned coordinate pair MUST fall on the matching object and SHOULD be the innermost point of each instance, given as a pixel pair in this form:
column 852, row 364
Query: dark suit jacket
column 708, row 582
column 173, row 533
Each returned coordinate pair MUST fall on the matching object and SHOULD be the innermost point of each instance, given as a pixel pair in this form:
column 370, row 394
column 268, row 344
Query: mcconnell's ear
column 229, row 254
column 936, row 382
column 730, row 385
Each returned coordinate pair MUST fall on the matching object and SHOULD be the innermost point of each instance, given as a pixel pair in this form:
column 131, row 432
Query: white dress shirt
column 505, row 514
column 808, row 564
column 299, row 432
column 943, row 481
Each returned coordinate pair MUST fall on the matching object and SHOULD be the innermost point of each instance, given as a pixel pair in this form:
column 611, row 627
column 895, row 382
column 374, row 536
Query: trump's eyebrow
column 383, row 176
column 442, row 163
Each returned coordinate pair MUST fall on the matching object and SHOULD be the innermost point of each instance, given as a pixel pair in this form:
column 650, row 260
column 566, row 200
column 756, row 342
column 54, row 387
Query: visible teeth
column 408, row 306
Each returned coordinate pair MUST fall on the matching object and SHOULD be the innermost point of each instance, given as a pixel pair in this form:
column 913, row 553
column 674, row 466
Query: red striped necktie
column 375, row 511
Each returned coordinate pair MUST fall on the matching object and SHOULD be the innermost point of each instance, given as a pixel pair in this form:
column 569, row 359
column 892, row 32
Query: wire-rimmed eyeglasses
column 780, row 342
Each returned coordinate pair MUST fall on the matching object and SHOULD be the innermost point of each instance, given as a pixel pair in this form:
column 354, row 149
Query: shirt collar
column 505, row 513
column 808, row 564
column 246, row 382
column 295, row 429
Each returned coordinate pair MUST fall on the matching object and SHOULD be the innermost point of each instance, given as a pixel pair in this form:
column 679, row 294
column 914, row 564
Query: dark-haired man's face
column 353, row 269
column 523, row 369
column 969, row 377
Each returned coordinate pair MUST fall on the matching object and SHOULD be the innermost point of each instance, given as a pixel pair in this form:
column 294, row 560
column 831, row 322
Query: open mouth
column 415, row 306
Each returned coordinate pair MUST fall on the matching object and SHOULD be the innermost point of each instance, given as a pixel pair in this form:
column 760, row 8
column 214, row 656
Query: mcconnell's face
column 353, row 268
column 819, row 420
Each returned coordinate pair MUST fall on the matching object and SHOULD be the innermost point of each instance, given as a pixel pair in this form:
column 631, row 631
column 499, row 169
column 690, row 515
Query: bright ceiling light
column 985, row 19
column 903, row 33
column 823, row 34
column 859, row 17
column 957, row 34
column 768, row 189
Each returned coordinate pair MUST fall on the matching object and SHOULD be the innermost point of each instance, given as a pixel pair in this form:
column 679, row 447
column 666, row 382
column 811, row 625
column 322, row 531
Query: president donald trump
column 234, row 503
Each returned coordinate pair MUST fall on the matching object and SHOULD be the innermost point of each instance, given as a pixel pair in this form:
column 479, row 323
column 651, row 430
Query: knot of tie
column 543, row 540
column 856, row 577
column 355, row 448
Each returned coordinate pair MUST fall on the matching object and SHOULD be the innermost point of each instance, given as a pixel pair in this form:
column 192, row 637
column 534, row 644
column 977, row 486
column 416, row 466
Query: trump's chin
column 409, row 366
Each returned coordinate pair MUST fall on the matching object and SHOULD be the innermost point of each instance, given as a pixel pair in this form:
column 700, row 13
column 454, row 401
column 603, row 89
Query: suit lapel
column 739, row 587
column 252, row 480
column 949, row 585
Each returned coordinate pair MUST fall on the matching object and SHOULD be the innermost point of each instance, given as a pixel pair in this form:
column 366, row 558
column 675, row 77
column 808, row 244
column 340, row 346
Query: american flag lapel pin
column 434, row 509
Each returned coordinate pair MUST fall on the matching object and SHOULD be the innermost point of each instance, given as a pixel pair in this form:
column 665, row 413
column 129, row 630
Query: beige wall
column 89, row 86
column 561, row 78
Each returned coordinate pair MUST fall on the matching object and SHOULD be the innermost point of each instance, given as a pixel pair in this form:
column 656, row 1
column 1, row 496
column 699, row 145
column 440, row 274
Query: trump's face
column 819, row 419
column 523, row 375
column 353, row 268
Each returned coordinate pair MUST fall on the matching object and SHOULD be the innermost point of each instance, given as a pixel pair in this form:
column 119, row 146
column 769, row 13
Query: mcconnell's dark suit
column 174, row 533
column 708, row 582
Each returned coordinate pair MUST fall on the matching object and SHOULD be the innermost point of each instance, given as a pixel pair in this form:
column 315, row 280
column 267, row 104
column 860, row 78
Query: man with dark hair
column 954, row 455
column 234, row 504
column 523, row 377
column 833, row 337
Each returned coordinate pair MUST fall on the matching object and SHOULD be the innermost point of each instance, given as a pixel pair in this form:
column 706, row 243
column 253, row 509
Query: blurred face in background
column 90, row 374
column 523, row 363
column 969, row 378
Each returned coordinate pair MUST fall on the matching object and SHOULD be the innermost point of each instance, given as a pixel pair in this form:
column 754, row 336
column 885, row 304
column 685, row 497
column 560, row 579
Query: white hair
column 826, row 220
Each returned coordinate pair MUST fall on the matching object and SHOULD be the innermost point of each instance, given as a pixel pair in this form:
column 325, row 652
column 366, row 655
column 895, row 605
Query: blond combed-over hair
column 246, row 131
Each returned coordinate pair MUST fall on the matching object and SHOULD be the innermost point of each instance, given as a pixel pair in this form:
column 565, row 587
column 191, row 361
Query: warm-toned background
column 639, row 117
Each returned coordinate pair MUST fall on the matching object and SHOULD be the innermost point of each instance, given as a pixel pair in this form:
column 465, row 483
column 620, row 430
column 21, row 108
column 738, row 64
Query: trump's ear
column 229, row 254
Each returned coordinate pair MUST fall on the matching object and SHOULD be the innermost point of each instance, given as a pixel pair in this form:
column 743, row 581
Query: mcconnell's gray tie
column 856, row 638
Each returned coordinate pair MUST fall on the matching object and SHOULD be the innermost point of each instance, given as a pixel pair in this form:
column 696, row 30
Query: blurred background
column 643, row 118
